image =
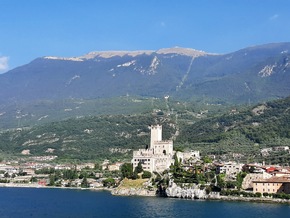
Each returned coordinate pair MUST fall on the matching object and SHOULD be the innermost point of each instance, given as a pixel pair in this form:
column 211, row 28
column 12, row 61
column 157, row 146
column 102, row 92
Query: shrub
column 258, row 194
column 146, row 174
column 109, row 182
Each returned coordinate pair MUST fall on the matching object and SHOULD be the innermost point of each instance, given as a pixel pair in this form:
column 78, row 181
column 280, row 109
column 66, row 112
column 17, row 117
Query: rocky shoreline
column 250, row 199
column 171, row 192
column 133, row 192
column 193, row 193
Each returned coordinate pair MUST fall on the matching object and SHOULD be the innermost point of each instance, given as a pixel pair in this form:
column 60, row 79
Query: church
column 159, row 156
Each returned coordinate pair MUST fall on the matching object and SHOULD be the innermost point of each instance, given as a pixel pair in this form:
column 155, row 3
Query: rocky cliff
column 133, row 192
column 193, row 192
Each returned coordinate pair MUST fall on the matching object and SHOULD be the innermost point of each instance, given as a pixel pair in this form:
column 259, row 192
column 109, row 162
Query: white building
column 188, row 157
column 231, row 169
column 159, row 156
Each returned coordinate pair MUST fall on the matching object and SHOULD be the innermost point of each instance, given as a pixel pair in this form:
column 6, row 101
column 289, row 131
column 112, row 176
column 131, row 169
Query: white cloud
column 274, row 17
column 4, row 63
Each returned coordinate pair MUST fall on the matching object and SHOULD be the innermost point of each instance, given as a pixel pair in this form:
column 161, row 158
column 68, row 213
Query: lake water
column 42, row 202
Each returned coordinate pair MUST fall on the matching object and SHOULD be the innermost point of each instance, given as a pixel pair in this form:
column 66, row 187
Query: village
column 158, row 165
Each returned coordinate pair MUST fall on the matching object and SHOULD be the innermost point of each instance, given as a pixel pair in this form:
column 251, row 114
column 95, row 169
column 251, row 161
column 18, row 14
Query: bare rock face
column 193, row 192
column 133, row 192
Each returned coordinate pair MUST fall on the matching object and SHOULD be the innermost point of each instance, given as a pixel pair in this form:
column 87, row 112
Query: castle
column 159, row 156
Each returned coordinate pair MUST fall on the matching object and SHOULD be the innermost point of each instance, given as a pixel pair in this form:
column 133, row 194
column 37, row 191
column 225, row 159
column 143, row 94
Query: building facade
column 272, row 185
column 159, row 156
column 230, row 169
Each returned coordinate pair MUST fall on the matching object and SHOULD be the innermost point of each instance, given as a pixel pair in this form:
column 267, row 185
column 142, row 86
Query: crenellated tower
column 156, row 135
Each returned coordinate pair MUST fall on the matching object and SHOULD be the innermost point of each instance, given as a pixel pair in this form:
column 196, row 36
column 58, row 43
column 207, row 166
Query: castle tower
column 156, row 135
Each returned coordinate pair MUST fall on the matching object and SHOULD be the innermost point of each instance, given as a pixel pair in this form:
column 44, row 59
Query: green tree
column 109, row 182
column 240, row 178
column 146, row 174
column 207, row 159
column 127, row 170
column 221, row 181
column 139, row 168
column 70, row 174
column 85, row 183
column 51, row 180
column 33, row 179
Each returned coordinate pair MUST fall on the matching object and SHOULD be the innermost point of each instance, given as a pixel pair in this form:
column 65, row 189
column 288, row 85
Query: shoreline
column 114, row 192
column 250, row 199
column 20, row 185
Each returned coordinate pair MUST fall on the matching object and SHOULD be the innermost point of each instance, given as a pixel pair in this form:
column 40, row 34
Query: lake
column 45, row 202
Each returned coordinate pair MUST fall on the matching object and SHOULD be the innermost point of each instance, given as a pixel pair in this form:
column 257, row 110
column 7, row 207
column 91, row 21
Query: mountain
column 56, row 86
column 251, row 74
column 97, row 74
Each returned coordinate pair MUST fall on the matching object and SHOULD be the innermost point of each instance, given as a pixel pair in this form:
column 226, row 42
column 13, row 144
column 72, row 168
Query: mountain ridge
column 247, row 74
column 134, row 53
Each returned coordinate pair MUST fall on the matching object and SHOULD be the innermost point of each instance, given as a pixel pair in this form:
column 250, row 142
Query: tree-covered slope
column 90, row 138
column 237, row 131
column 266, row 124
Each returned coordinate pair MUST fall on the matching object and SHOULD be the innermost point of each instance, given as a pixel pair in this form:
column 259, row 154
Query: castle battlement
column 159, row 156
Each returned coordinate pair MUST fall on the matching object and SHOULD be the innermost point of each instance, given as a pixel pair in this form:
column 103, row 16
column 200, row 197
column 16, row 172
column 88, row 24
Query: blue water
column 29, row 202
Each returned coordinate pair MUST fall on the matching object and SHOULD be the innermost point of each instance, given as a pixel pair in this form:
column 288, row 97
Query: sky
column 68, row 28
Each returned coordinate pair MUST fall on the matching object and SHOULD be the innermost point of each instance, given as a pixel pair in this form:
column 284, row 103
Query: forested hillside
column 264, row 123
column 237, row 131
column 244, row 132
column 111, row 137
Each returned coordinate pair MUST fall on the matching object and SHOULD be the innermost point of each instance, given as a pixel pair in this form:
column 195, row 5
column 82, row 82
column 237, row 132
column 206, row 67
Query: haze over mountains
column 252, row 74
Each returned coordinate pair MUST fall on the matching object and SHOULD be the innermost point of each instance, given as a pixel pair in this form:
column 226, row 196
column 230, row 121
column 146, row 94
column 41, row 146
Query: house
column 254, row 168
column 231, row 169
column 189, row 157
column 248, row 180
column 28, row 171
column 272, row 185
column 271, row 169
column 115, row 166
column 105, row 164
column 85, row 165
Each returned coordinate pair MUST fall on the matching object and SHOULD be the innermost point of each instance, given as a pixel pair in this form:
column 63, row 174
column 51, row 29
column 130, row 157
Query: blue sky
column 36, row 28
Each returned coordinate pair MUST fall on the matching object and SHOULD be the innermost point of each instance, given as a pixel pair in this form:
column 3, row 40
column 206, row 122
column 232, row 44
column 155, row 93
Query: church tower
column 156, row 135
